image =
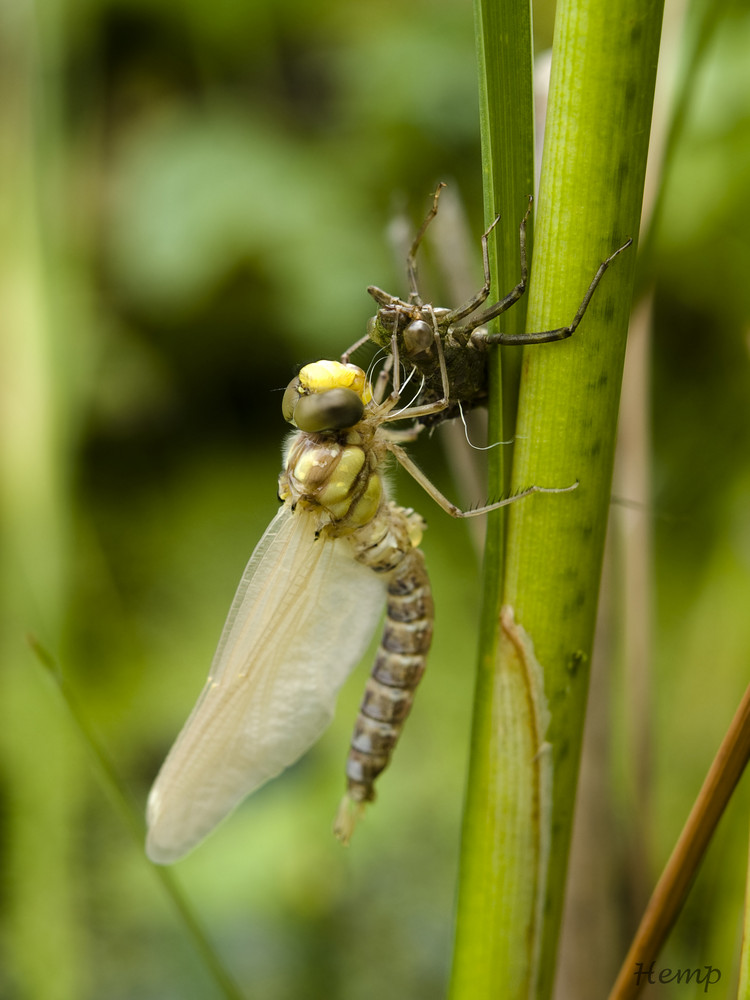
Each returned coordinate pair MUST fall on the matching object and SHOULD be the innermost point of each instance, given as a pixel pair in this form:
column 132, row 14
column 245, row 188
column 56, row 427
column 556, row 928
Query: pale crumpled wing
column 301, row 620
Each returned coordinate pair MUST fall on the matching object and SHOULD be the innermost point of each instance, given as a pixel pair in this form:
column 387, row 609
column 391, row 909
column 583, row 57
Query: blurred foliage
column 195, row 198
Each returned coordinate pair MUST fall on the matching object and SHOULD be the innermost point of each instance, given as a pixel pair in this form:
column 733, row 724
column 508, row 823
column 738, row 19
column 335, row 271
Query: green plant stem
column 593, row 169
column 506, row 115
column 485, row 907
column 517, row 827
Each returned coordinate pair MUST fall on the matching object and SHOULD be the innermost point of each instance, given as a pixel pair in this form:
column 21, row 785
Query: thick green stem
column 601, row 97
column 523, row 773
column 490, row 896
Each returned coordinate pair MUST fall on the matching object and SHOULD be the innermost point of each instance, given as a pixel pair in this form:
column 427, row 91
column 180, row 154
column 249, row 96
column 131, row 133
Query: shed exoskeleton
column 418, row 332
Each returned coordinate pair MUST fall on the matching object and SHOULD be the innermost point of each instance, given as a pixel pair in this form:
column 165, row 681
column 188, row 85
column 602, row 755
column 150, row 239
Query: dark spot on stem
column 575, row 661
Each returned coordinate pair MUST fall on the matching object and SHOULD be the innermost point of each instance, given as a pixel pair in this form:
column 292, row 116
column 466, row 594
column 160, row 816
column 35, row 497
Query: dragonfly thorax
column 335, row 474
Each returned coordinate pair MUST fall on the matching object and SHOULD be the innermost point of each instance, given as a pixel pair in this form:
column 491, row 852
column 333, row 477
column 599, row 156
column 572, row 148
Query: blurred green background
column 194, row 198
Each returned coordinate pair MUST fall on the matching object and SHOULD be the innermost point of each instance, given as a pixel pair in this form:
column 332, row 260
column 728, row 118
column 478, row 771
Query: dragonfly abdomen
column 398, row 668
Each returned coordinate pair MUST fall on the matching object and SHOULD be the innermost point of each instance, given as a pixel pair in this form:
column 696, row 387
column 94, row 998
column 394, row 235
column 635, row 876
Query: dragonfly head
column 326, row 396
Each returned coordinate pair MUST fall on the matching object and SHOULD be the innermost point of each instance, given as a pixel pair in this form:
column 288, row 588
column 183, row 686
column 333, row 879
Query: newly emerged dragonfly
column 306, row 608
column 411, row 329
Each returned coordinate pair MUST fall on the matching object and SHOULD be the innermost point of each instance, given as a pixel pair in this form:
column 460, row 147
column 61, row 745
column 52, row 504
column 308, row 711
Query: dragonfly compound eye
column 334, row 410
column 418, row 338
column 291, row 397
column 326, row 396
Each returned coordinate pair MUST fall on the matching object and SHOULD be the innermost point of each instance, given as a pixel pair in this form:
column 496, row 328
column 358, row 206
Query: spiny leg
column 546, row 336
column 387, row 301
column 411, row 259
column 450, row 508
column 378, row 389
column 477, row 300
column 415, row 412
column 393, row 365
column 394, row 369
column 354, row 347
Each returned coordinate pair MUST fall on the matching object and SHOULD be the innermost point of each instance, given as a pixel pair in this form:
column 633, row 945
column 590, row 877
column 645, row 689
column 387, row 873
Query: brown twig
column 677, row 877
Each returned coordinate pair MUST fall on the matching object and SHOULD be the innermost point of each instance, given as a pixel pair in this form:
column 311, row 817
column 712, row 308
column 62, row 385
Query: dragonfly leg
column 450, row 508
column 411, row 258
column 416, row 412
column 542, row 336
column 499, row 307
column 354, row 347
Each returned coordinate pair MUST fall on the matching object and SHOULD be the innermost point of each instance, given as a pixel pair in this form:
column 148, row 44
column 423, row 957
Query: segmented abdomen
column 401, row 657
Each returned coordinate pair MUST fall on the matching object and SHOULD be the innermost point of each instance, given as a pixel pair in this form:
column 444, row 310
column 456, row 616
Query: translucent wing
column 302, row 617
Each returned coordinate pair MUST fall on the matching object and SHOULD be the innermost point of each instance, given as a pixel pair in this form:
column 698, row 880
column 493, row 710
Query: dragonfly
column 420, row 333
column 338, row 550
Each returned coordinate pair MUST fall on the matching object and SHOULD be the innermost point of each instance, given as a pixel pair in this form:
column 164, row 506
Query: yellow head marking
column 320, row 376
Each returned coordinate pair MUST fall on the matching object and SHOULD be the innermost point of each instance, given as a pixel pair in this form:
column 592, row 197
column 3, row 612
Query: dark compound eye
column 289, row 402
column 418, row 338
column 334, row 410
